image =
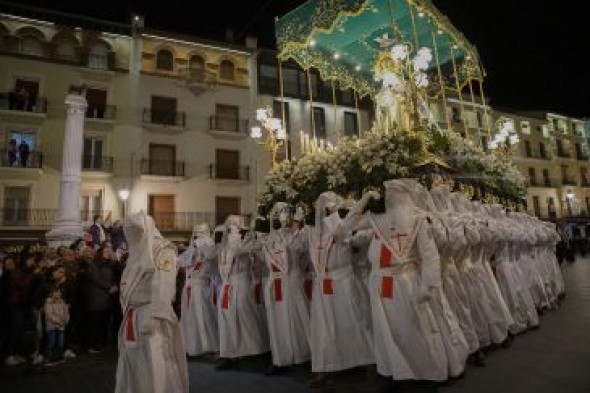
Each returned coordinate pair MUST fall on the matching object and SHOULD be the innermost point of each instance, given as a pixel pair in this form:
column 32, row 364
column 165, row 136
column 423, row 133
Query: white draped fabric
column 287, row 307
column 198, row 321
column 151, row 352
column 241, row 332
column 408, row 342
column 340, row 337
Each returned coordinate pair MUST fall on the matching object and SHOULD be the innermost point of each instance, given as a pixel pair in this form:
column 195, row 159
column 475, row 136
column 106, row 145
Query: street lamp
column 275, row 133
column 124, row 195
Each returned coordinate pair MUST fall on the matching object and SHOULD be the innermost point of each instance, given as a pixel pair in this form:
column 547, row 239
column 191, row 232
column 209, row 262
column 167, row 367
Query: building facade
column 168, row 120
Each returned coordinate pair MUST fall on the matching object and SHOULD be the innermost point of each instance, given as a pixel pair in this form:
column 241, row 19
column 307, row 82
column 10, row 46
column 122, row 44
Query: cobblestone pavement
column 555, row 358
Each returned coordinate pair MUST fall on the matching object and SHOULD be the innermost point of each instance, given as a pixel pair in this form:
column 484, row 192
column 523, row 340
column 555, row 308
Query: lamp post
column 275, row 133
column 124, row 195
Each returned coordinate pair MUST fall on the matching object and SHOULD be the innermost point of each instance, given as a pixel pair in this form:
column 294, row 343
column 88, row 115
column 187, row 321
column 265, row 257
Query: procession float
column 411, row 62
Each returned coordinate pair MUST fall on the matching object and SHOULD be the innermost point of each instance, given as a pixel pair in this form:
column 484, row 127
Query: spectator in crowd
column 23, row 152
column 39, row 292
column 100, row 286
column 61, row 282
column 6, row 265
column 56, row 319
column 117, row 235
column 98, row 231
column 116, row 314
column 19, row 291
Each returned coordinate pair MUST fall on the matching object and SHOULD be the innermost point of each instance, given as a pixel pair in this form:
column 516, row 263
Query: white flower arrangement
column 400, row 52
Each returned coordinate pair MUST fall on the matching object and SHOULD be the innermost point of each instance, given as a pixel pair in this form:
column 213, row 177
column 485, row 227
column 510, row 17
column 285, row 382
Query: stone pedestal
column 68, row 225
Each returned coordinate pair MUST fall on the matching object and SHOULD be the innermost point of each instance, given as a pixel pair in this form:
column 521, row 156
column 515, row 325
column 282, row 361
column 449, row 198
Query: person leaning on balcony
column 12, row 152
column 23, row 152
column 21, row 97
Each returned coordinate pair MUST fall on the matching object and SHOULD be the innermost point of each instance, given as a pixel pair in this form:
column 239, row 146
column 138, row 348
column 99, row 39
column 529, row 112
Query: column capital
column 76, row 103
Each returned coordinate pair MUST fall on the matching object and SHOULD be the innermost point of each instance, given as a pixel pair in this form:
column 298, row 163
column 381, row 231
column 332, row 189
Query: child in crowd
column 57, row 317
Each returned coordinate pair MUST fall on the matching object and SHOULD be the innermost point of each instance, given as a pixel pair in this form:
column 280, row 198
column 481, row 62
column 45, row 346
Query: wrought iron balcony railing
column 229, row 124
column 164, row 117
column 22, row 103
column 101, row 112
column 97, row 163
column 223, row 172
column 162, row 167
column 18, row 160
column 185, row 221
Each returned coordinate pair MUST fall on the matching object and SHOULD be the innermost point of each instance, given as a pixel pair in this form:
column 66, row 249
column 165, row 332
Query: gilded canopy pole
column 440, row 77
column 283, row 117
column 358, row 112
column 458, row 87
column 396, row 32
column 475, row 111
column 414, row 30
column 311, row 114
column 485, row 109
column 335, row 112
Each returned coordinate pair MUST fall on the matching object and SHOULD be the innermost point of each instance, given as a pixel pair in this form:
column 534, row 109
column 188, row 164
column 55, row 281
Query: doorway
column 161, row 208
column 225, row 206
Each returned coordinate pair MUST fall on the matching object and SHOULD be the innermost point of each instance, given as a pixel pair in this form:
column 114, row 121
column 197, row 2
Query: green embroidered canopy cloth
column 342, row 38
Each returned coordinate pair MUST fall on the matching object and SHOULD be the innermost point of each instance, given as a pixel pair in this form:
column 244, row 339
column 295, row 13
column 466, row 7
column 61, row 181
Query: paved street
column 555, row 358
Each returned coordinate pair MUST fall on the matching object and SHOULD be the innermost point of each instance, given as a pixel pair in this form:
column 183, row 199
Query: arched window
column 165, row 60
column 196, row 66
column 31, row 46
column 98, row 56
column 65, row 50
column 227, row 70
column 196, row 62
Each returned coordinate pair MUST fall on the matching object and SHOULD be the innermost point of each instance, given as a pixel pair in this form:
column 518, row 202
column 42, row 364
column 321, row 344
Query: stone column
column 68, row 225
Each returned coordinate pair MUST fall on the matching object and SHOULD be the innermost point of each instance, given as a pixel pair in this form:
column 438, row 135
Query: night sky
column 536, row 53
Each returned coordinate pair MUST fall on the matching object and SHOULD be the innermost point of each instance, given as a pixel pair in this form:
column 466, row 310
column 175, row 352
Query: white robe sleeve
column 472, row 232
column 429, row 258
column 457, row 239
column 164, row 284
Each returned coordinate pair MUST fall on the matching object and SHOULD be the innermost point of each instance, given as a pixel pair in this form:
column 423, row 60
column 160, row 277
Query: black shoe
column 226, row 364
column 322, row 380
column 274, row 370
column 478, row 359
column 508, row 342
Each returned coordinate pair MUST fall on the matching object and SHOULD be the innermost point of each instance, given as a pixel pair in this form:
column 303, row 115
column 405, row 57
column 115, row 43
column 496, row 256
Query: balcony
column 162, row 168
column 585, row 183
column 28, row 218
column 14, row 105
column 198, row 80
column 101, row 113
column 582, row 157
column 569, row 182
column 185, row 221
column 13, row 160
column 563, row 154
column 540, row 155
column 97, row 164
column 39, row 218
column 228, row 127
column 549, row 183
column 156, row 119
column 231, row 173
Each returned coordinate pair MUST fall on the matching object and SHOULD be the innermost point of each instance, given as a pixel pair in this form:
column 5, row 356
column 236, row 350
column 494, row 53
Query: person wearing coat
column 100, row 284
